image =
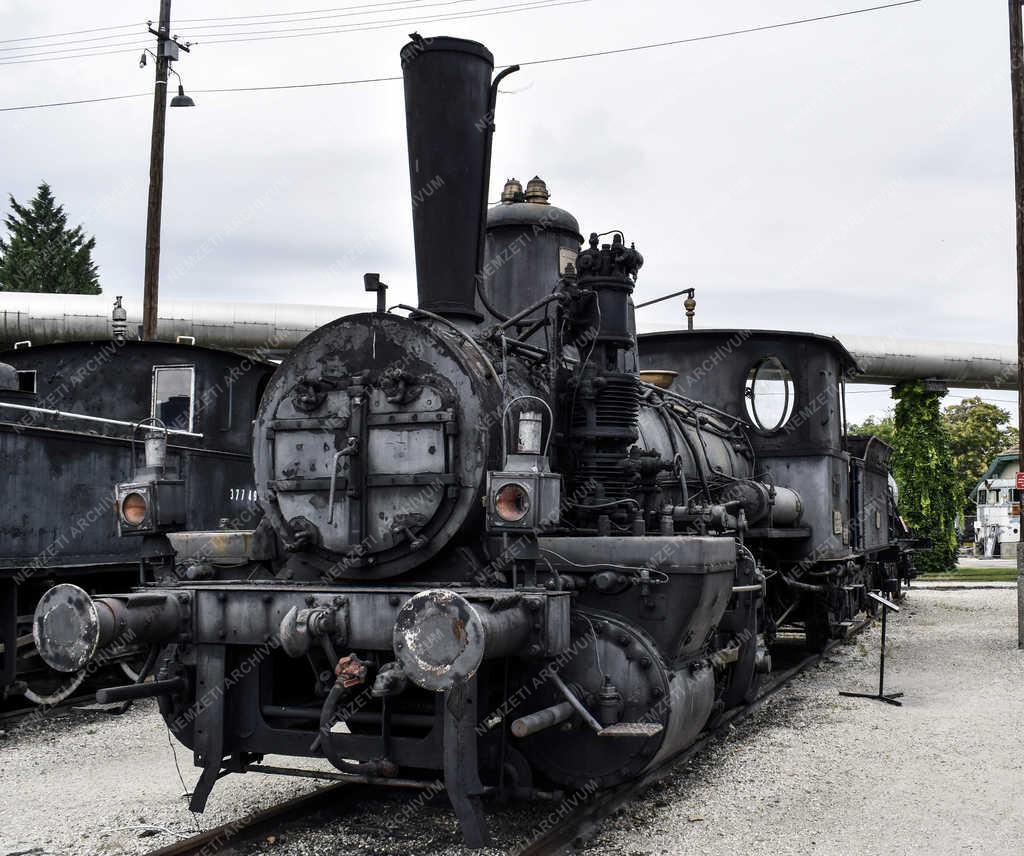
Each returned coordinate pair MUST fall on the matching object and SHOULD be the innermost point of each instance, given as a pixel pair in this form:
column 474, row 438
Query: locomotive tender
column 490, row 551
column 68, row 417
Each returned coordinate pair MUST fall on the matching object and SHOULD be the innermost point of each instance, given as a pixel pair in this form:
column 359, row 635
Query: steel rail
column 581, row 825
column 12, row 717
column 577, row 827
column 246, row 829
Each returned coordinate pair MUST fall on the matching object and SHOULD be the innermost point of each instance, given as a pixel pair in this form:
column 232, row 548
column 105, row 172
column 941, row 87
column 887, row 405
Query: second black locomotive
column 76, row 418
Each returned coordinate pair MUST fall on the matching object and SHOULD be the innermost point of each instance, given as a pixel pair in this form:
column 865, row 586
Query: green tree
column 978, row 431
column 923, row 468
column 42, row 254
column 884, row 429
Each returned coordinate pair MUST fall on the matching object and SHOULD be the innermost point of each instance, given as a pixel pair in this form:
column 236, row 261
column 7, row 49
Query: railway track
column 12, row 717
column 581, row 824
column 336, row 798
column 573, row 829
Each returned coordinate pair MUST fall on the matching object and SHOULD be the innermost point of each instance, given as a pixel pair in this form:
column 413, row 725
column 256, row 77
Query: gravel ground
column 88, row 783
column 811, row 772
column 817, row 773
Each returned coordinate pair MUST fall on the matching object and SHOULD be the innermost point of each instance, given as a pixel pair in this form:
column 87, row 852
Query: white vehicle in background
column 997, row 526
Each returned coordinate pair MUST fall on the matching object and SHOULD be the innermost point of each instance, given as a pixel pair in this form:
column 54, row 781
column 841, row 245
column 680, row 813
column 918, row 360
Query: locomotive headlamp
column 145, row 507
column 522, row 497
column 511, row 502
column 134, row 508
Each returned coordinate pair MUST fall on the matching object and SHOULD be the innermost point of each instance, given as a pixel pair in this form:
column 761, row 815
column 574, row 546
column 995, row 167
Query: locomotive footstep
column 631, row 729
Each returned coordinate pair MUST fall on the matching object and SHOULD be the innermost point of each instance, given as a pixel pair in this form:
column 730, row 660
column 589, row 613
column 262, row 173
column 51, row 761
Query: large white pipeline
column 43, row 318
column 964, row 364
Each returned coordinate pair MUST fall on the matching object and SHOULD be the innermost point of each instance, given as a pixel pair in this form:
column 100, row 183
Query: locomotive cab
column 789, row 391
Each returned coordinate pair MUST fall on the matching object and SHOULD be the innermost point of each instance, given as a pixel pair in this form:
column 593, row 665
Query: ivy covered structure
column 923, row 468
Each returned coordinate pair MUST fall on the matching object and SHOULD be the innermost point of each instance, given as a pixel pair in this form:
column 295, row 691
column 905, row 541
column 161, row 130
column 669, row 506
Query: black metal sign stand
column 881, row 695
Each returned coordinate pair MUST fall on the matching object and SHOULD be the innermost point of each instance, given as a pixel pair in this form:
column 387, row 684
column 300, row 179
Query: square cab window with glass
column 173, row 396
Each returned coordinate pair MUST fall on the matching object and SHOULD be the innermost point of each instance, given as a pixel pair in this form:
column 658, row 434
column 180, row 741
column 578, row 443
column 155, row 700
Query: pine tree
column 42, row 254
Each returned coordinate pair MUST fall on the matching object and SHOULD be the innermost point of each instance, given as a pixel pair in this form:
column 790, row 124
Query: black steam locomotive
column 491, row 550
column 69, row 429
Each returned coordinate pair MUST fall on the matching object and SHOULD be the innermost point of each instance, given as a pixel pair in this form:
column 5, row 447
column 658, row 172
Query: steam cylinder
column 447, row 105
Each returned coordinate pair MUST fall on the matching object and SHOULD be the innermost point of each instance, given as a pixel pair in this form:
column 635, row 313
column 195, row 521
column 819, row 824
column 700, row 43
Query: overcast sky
column 847, row 176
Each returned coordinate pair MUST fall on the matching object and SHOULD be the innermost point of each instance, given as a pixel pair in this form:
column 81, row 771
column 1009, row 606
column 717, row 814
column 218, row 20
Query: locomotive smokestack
column 448, row 113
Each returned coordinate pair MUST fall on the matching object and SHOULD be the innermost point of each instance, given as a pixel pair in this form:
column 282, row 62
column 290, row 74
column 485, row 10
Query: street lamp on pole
column 167, row 49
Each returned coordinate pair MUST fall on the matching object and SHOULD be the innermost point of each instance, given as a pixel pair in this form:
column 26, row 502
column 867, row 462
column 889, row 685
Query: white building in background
column 997, row 527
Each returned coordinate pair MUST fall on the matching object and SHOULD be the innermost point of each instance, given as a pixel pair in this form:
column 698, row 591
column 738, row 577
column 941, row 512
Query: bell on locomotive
column 489, row 552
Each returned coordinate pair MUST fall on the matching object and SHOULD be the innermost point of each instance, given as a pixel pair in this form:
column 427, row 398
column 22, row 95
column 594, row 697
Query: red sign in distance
column 1020, row 481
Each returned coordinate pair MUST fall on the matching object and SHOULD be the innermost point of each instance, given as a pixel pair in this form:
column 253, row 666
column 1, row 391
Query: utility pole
column 166, row 52
column 1017, row 99
column 156, row 177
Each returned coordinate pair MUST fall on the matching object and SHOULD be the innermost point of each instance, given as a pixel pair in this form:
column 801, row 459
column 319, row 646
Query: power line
column 80, row 44
column 299, row 85
column 71, row 33
column 306, row 32
column 885, row 390
column 498, row 10
column 76, row 56
column 404, row 5
column 281, row 14
column 202, row 20
column 90, row 51
column 692, row 39
column 79, row 101
column 987, row 400
column 355, row 27
column 528, row 62
column 72, row 42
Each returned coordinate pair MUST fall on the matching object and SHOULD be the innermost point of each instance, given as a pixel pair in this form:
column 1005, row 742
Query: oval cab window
column 769, row 394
